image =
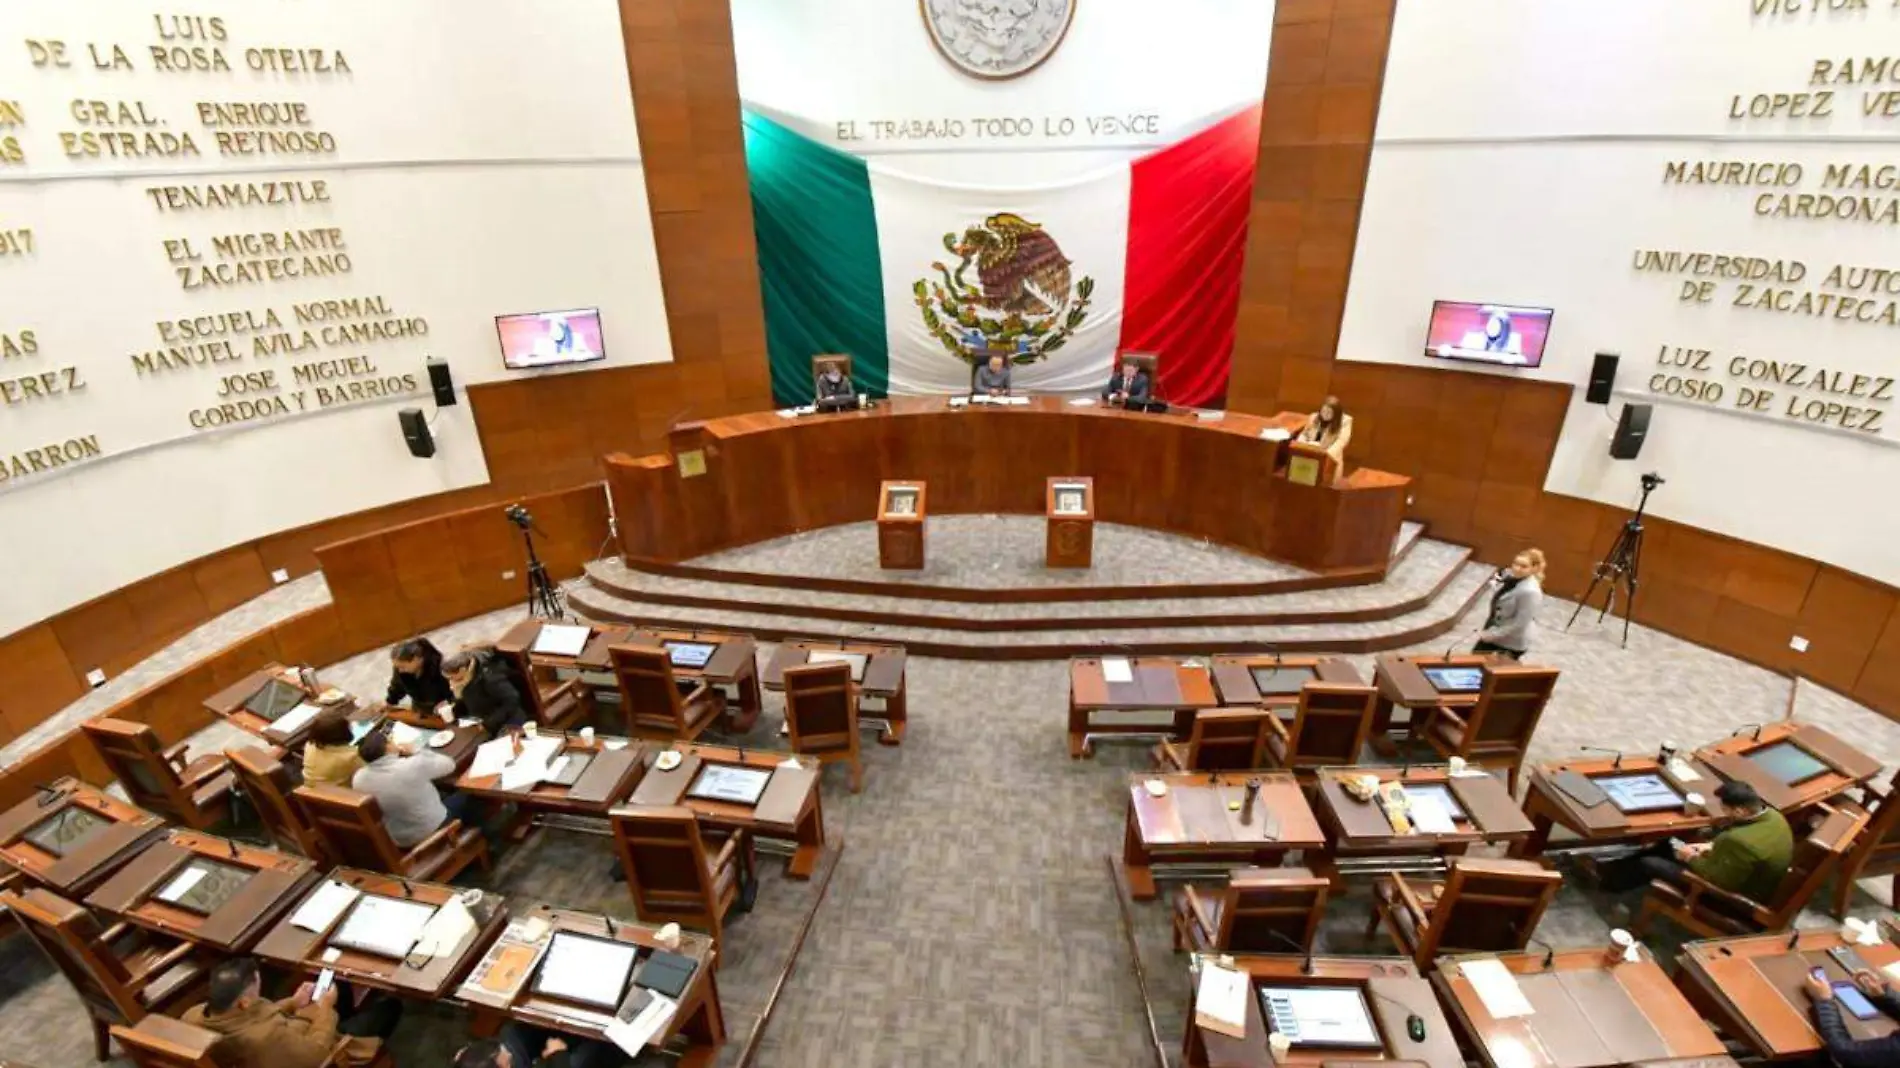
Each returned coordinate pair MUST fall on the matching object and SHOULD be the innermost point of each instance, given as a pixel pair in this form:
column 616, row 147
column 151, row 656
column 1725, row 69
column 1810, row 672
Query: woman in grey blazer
column 1520, row 592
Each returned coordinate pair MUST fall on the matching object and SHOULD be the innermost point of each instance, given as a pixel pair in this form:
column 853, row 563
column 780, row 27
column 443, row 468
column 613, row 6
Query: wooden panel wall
column 539, row 433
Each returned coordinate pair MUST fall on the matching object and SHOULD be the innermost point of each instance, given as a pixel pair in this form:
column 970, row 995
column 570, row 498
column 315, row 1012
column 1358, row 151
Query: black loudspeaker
column 1602, row 378
column 444, row 385
column 1631, row 429
column 415, row 431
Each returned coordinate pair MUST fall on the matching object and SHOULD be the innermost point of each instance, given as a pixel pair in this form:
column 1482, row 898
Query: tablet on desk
column 275, row 698
column 1275, row 680
column 690, row 654
column 1788, row 762
column 1330, row 1017
column 204, row 885
column 383, row 926
column 1632, row 794
column 1454, row 679
column 730, row 783
column 585, row 969
column 66, row 830
column 1433, row 796
column 856, row 660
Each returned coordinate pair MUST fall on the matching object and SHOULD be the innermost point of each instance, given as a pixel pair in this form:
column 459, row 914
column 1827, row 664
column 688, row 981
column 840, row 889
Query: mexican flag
column 914, row 278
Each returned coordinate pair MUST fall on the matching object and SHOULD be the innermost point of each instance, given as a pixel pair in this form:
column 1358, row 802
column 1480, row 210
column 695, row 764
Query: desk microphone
column 1757, row 728
column 407, row 892
column 1550, row 954
column 1306, row 965
column 1794, row 939
column 232, row 848
column 1617, row 753
column 48, row 793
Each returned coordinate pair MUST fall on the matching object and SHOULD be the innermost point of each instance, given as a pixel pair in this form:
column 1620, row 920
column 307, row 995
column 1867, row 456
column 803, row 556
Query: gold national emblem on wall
column 997, row 38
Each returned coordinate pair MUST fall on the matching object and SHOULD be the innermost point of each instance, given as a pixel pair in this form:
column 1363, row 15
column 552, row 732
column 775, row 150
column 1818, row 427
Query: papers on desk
column 523, row 773
column 1860, row 932
column 385, row 926
column 1680, row 771
column 181, row 884
column 633, row 1035
column 444, row 932
column 1220, row 999
column 1082, row 402
column 1210, row 415
column 1274, row 433
column 557, row 639
column 491, row 756
column 984, row 398
column 296, row 719
column 1117, row 669
column 1429, row 813
column 404, row 734
column 323, row 907
column 1496, row 987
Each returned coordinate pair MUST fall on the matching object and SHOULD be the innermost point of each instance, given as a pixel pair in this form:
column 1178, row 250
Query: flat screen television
column 550, row 338
column 1509, row 335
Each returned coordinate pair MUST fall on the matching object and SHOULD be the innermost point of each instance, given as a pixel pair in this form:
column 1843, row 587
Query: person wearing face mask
column 834, row 388
column 1330, row 428
column 1514, row 604
column 416, row 676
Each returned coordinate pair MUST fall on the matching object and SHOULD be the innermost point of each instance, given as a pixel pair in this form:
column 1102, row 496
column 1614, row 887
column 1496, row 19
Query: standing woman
column 417, row 675
column 1331, row 429
column 1514, row 607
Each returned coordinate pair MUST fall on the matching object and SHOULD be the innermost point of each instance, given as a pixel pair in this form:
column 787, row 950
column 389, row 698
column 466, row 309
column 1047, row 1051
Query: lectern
column 900, row 526
column 1070, row 507
column 1310, row 465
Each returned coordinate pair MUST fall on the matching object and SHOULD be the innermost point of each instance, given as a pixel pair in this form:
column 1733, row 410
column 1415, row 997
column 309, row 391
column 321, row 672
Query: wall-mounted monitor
column 1509, row 335
column 550, row 338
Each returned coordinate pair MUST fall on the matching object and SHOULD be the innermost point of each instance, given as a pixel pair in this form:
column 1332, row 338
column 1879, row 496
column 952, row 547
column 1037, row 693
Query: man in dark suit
column 1127, row 386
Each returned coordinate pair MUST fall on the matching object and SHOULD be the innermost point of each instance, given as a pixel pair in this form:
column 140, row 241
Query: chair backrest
column 267, row 781
column 1147, row 362
column 1877, row 852
column 825, row 359
column 821, row 707
column 162, row 1042
column 1815, row 858
column 132, row 751
column 1489, row 905
column 665, row 862
column 513, row 663
column 1228, row 739
column 351, row 827
column 1265, row 908
column 1330, row 724
column 649, row 694
column 69, row 936
column 1509, row 705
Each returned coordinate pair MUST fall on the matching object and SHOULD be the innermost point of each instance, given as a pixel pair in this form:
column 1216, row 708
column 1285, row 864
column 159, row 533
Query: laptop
column 1454, row 679
column 1279, row 681
column 1643, row 792
column 585, row 969
column 729, row 783
column 856, row 660
column 1788, row 762
column 689, row 654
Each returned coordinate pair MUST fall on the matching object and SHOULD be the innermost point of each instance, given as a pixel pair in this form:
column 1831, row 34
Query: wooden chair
column 1485, row 904
column 1330, row 726
column 197, row 795
column 120, row 973
column 1496, row 731
column 1222, row 739
column 267, row 782
column 351, row 827
column 1262, row 910
column 1701, row 907
column 651, row 698
column 1146, row 362
column 162, row 1042
column 669, row 872
column 1877, row 851
column 554, row 704
column 821, row 713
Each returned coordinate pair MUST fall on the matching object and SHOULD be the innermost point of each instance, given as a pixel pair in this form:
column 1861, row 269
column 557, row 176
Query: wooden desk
column 884, row 677
column 788, row 809
column 297, row 950
column 1160, row 684
column 87, row 855
column 1234, row 679
column 1589, row 1013
column 461, row 750
column 1402, row 685
column 1356, row 828
column 609, row 775
column 270, row 882
column 228, row 704
column 1751, row 988
column 497, row 990
column 1191, row 823
column 1211, row 480
column 1393, row 991
column 1847, row 767
column 1547, row 805
column 735, row 664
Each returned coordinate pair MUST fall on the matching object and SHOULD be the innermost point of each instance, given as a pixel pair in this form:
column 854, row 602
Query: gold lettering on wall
column 46, row 458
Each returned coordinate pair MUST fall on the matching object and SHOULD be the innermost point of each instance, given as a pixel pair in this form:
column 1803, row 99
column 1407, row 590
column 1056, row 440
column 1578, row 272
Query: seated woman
column 330, row 757
column 834, row 388
column 1330, row 428
column 416, row 676
column 485, row 689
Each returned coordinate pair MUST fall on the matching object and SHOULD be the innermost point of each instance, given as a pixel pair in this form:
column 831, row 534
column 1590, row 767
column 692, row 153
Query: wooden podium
column 1307, row 464
column 1069, row 505
column 900, row 526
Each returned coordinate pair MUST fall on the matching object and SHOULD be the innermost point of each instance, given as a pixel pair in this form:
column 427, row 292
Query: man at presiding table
column 1843, row 1049
column 1127, row 386
column 992, row 379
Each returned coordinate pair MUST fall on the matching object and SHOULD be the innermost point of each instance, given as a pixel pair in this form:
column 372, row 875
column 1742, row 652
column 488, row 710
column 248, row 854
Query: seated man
column 1749, row 857
column 834, row 388
column 403, row 782
column 1845, row 1050
column 522, row 1046
column 1128, row 386
column 297, row 1032
column 992, row 379
column 485, row 689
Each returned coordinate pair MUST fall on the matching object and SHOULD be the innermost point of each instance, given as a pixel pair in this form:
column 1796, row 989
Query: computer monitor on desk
column 1278, row 680
column 1788, row 762
column 689, row 654
column 1320, row 1017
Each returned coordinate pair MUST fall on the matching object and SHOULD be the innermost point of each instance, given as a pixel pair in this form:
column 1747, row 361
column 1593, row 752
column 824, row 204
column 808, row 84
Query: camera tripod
column 1621, row 566
column 544, row 597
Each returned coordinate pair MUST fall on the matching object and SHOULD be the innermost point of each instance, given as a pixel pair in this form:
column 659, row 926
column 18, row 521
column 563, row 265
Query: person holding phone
column 297, row 1032
column 1844, row 1049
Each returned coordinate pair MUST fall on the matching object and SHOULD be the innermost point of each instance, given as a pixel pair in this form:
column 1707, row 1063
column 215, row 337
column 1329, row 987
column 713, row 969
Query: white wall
column 487, row 163
column 1520, row 158
column 817, row 64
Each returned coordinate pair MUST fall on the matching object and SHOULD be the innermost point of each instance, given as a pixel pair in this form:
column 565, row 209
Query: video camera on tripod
column 1622, row 566
column 544, row 597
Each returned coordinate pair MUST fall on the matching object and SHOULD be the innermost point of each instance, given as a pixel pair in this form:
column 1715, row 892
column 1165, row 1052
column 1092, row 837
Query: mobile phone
column 1854, row 1001
column 328, row 976
column 1847, row 958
